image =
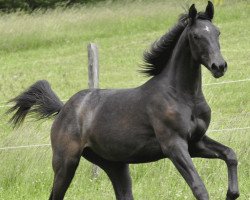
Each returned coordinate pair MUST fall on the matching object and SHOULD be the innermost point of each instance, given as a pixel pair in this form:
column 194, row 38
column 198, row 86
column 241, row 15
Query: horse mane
column 156, row 58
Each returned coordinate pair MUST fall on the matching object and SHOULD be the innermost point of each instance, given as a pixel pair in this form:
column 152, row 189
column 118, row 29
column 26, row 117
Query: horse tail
column 38, row 100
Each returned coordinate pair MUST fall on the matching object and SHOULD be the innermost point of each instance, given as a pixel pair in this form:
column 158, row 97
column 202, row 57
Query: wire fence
column 48, row 145
column 211, row 131
column 5, row 105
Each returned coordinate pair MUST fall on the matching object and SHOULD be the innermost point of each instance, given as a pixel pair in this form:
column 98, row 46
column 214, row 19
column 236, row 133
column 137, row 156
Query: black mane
column 156, row 58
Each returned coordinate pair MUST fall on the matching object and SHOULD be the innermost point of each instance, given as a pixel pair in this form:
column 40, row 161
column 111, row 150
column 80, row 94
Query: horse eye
column 196, row 37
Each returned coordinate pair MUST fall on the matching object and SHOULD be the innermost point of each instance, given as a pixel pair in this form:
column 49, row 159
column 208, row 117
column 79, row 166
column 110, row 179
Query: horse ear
column 210, row 10
column 192, row 13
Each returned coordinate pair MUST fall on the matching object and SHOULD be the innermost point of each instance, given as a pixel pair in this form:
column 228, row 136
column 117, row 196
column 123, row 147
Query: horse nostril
column 225, row 65
column 214, row 67
column 222, row 68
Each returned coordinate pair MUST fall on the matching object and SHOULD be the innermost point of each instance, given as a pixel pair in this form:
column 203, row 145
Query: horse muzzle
column 218, row 70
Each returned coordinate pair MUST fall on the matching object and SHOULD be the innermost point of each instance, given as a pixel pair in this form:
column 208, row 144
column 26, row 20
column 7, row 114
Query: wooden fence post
column 93, row 66
column 93, row 70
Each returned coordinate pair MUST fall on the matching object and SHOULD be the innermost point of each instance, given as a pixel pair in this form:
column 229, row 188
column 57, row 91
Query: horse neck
column 182, row 72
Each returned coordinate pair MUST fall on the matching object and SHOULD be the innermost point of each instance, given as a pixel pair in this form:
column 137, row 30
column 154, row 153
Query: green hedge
column 30, row 5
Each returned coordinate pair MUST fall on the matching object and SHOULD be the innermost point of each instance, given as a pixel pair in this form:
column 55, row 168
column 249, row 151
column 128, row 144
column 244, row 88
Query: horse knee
column 230, row 157
column 200, row 192
column 202, row 196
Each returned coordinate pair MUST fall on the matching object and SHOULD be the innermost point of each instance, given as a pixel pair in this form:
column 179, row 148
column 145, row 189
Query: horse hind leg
column 66, row 157
column 117, row 172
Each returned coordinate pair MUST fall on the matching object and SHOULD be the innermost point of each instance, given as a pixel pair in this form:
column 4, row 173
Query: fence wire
column 5, row 105
column 247, row 127
column 48, row 145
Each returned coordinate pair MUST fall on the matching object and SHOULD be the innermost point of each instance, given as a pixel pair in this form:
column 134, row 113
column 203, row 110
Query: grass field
column 52, row 46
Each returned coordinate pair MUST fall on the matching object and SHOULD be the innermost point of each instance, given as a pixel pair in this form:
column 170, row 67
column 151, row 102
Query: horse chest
column 193, row 121
column 197, row 128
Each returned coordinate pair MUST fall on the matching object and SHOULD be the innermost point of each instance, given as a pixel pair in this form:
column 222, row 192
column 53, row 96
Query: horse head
column 204, row 43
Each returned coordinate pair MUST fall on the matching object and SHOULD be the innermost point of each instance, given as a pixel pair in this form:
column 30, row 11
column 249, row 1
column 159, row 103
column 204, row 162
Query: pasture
column 52, row 46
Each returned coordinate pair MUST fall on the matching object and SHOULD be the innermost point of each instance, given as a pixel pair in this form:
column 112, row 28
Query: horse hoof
column 232, row 195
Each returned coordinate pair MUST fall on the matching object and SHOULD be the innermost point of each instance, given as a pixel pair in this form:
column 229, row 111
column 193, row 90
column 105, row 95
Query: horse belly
column 149, row 153
column 129, row 147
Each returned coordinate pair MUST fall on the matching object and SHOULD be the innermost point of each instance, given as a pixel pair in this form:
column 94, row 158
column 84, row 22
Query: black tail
column 38, row 99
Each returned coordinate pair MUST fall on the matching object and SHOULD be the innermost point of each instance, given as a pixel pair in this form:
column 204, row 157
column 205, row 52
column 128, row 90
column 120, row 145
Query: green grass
column 52, row 46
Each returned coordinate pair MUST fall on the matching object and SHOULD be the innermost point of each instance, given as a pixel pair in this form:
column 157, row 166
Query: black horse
column 167, row 117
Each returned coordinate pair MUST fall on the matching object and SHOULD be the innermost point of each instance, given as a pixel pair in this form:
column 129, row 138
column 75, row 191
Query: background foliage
column 30, row 5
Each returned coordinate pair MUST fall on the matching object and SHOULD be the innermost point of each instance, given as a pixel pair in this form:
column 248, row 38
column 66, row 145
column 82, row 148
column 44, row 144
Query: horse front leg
column 208, row 148
column 176, row 149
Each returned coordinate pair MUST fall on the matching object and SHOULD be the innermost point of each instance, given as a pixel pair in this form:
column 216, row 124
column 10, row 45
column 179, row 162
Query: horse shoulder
column 164, row 113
